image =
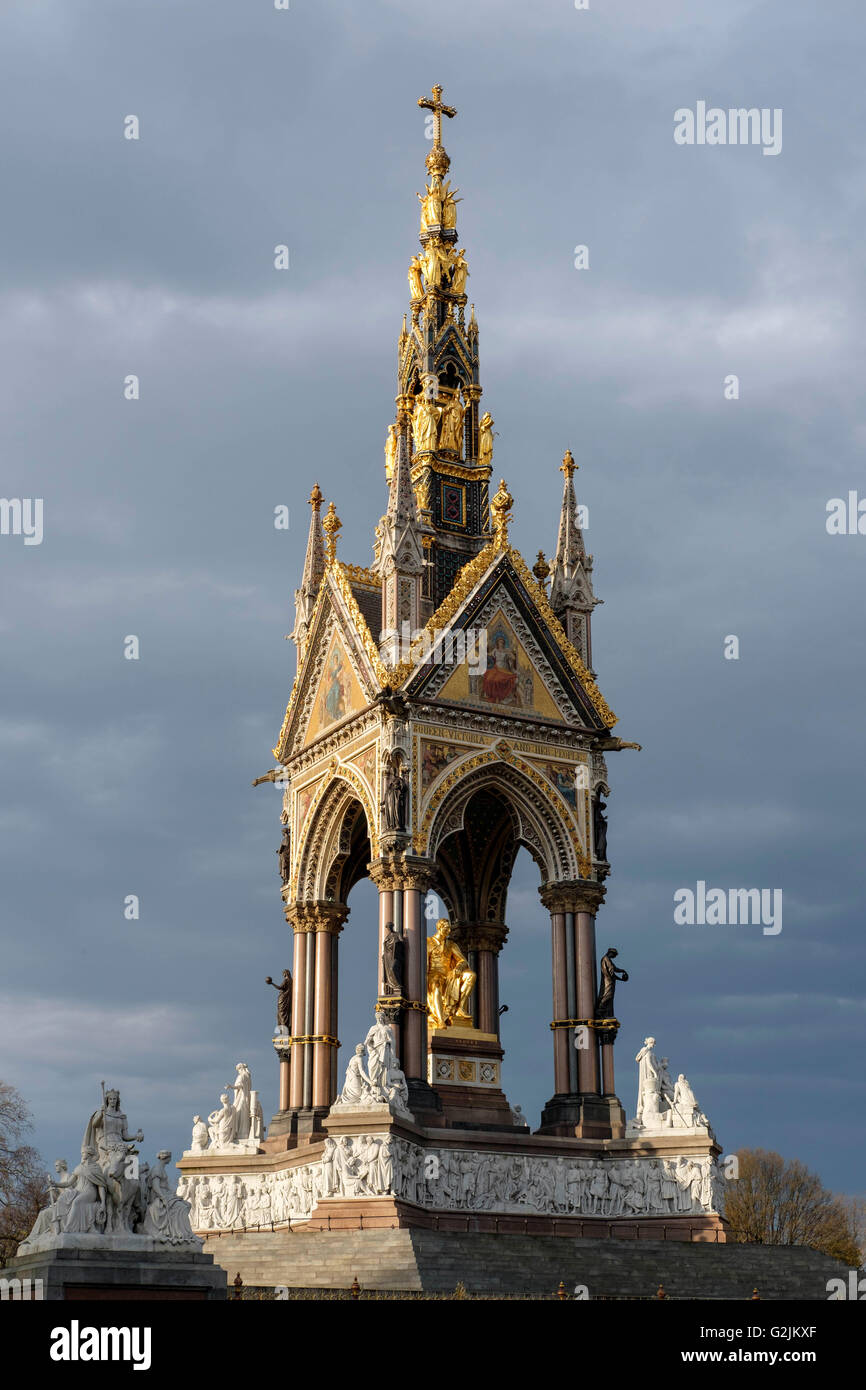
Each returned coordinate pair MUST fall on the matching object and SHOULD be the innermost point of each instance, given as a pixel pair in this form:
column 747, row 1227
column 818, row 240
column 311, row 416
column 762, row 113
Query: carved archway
column 536, row 820
column 336, row 848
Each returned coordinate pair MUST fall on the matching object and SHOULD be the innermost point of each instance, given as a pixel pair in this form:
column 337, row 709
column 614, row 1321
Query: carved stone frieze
column 450, row 1179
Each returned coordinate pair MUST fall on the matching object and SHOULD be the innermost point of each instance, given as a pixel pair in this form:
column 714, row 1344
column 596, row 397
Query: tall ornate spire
column 571, row 595
column 449, row 448
column 314, row 568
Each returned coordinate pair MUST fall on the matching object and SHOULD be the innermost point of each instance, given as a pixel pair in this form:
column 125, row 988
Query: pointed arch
column 537, row 821
column 339, row 839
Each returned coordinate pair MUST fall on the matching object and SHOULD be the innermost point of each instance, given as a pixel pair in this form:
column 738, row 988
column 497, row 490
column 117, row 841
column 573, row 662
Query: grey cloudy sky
column 707, row 516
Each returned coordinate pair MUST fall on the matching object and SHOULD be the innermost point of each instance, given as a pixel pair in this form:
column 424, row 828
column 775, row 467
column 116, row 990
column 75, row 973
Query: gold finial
column 437, row 161
column 501, row 508
column 332, row 526
column 439, row 109
column 541, row 569
column 316, row 498
column 568, row 465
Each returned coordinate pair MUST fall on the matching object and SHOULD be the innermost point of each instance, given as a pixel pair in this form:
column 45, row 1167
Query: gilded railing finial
column 541, row 569
column 501, row 506
column 332, row 526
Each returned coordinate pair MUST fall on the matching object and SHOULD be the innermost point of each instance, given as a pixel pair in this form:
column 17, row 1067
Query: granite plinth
column 72, row 1270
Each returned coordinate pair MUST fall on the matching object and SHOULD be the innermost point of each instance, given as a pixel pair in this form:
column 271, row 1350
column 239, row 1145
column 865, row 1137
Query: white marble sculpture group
column 663, row 1105
column 373, row 1076
column 383, row 1164
column 237, row 1126
column 379, row 1165
column 110, row 1199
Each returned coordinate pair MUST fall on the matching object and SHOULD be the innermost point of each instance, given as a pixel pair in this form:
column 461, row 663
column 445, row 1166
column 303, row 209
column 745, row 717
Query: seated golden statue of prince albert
column 450, row 981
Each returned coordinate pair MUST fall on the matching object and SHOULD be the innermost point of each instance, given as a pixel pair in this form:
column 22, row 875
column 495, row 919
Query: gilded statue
column 425, row 425
column 451, row 430
column 390, row 452
column 435, row 262
column 449, row 207
column 431, row 204
column 485, row 438
column 416, row 289
column 450, row 980
column 460, row 273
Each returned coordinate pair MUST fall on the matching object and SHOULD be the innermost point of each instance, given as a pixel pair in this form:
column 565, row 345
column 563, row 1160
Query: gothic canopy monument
column 445, row 713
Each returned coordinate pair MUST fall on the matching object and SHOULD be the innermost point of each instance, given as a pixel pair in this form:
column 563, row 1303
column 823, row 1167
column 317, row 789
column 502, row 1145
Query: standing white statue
column 379, row 1043
column 648, row 1076
column 241, row 1087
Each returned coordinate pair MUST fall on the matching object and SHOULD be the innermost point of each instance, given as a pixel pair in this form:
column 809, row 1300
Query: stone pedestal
column 98, row 1267
column 464, row 1067
column 583, row 1117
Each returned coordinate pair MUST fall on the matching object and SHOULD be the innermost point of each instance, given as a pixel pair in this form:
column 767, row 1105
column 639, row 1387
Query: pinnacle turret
column 314, row 569
column 571, row 595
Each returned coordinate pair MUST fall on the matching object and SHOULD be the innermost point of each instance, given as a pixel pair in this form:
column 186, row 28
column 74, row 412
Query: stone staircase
column 434, row 1261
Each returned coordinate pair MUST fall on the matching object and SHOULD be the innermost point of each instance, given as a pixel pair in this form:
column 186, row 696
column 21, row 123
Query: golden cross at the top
column 439, row 109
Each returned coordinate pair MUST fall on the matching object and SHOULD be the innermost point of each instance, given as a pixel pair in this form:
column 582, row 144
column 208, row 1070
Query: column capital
column 315, row 917
column 572, row 895
column 481, row 936
column 393, row 872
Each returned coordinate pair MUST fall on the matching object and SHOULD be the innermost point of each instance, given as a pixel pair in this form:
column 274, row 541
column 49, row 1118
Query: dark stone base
column 308, row 1122
column 109, row 1275
column 583, row 1117
column 285, row 1122
column 629, row 1263
column 476, row 1108
column 423, row 1100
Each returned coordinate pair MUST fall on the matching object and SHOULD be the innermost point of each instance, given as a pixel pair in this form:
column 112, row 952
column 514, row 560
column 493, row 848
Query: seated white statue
column 63, row 1189
column 386, row 1087
column 357, row 1083
column 686, row 1111
column 222, row 1124
column 167, row 1217
column 200, row 1136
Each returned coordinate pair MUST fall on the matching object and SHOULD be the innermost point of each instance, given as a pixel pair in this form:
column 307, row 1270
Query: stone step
column 414, row 1259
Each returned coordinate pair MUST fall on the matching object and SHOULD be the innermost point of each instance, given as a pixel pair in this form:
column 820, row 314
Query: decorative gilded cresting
column 501, row 508
column 332, row 526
